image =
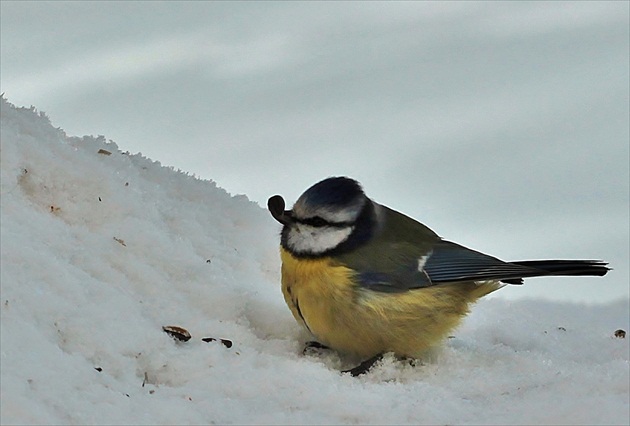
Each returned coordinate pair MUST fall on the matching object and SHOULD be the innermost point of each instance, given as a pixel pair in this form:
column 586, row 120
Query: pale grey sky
column 501, row 125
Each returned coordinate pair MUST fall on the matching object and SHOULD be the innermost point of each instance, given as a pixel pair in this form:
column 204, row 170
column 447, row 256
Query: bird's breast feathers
column 315, row 290
column 325, row 297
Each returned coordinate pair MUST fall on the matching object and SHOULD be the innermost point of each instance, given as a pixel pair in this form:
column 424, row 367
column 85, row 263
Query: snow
column 101, row 250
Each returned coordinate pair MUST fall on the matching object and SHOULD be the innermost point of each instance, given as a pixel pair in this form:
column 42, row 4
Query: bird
column 366, row 280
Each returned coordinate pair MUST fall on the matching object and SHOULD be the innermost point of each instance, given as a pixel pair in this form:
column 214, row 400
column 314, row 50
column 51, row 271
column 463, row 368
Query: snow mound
column 101, row 249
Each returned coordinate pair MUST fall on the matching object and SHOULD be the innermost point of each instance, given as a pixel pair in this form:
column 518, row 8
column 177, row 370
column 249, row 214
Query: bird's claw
column 313, row 347
column 364, row 367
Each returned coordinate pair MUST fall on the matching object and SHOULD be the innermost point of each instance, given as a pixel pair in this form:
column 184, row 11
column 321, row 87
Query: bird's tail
column 567, row 267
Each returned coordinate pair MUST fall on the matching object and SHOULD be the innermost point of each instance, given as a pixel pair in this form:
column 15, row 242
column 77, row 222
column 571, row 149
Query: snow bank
column 101, row 248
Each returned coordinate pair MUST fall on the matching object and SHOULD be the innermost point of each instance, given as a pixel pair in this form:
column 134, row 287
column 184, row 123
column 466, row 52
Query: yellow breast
column 346, row 317
column 315, row 290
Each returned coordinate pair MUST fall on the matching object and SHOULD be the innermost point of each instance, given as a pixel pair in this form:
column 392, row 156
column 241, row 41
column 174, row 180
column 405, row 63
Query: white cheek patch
column 308, row 239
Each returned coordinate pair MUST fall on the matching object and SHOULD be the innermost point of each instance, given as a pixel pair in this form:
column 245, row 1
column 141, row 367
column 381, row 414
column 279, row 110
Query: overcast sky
column 501, row 125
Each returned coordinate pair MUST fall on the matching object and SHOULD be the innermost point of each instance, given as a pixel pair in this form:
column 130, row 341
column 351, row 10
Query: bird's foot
column 312, row 348
column 364, row 367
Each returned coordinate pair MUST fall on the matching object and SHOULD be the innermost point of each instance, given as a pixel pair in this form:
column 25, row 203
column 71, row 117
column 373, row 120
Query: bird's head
column 331, row 216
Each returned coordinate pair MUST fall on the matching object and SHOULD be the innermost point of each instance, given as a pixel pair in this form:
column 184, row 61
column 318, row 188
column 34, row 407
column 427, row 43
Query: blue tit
column 365, row 280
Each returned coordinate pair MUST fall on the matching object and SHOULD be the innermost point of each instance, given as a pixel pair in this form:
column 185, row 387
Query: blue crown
column 333, row 192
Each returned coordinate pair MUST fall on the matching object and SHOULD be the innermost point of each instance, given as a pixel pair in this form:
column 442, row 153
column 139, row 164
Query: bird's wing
column 402, row 266
column 404, row 254
column 450, row 262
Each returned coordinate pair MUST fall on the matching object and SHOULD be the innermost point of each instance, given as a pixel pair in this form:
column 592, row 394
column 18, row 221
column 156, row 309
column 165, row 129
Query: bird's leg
column 365, row 366
column 313, row 346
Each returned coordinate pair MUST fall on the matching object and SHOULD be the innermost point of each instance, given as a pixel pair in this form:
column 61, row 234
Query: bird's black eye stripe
column 315, row 221
column 319, row 222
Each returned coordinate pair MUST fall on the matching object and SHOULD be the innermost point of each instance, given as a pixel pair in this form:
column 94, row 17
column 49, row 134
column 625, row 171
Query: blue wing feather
column 447, row 262
column 451, row 262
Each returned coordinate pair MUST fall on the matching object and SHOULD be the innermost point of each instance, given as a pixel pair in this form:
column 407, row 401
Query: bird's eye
column 316, row 221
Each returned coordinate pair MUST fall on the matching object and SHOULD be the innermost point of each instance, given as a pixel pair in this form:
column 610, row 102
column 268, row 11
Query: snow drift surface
column 101, row 248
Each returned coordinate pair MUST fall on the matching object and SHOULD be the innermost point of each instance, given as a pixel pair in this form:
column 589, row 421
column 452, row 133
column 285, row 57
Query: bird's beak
column 276, row 205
